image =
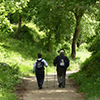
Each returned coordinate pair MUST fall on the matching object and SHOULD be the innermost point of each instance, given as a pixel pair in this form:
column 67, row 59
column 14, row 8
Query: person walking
column 62, row 63
column 39, row 70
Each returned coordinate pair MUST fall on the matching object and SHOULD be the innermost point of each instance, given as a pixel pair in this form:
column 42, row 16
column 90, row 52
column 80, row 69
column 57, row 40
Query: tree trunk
column 77, row 30
column 80, row 41
column 19, row 27
column 49, row 45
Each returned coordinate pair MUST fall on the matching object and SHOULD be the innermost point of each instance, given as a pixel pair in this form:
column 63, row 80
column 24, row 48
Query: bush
column 95, row 45
column 91, row 62
column 88, row 78
column 8, row 79
column 26, row 34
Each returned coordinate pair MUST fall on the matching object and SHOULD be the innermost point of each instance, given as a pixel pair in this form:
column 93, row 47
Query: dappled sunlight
column 53, row 91
column 50, row 90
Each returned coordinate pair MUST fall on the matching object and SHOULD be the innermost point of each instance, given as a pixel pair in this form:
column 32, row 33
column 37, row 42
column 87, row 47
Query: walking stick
column 46, row 78
column 68, row 79
column 54, row 76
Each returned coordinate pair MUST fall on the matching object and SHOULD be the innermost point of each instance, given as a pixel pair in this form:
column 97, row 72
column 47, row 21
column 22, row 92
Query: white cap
column 61, row 51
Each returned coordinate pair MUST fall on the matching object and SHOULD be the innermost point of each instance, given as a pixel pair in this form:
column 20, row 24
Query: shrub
column 95, row 46
column 8, row 79
column 88, row 78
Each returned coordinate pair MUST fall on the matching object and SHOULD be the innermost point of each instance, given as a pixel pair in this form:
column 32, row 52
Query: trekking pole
column 54, row 77
column 68, row 80
column 46, row 78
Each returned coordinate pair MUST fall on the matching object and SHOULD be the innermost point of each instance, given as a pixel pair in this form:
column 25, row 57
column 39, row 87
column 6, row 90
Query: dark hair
column 39, row 55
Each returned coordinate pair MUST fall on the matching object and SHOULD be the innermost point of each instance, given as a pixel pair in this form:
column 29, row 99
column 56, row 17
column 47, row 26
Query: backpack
column 61, row 61
column 39, row 64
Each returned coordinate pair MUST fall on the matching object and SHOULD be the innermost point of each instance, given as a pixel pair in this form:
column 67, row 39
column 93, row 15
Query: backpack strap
column 39, row 61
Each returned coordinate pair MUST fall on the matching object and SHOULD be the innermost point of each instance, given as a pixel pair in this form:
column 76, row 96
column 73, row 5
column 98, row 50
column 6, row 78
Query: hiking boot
column 60, row 85
column 63, row 86
column 40, row 87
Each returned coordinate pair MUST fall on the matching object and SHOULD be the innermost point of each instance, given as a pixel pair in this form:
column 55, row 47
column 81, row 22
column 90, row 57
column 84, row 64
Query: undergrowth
column 9, row 77
column 88, row 78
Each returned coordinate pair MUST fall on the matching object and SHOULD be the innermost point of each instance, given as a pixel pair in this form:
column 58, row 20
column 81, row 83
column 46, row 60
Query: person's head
column 39, row 55
column 62, row 52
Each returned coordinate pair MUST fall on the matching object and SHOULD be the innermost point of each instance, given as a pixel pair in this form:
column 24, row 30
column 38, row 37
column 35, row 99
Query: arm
column 45, row 63
column 67, row 62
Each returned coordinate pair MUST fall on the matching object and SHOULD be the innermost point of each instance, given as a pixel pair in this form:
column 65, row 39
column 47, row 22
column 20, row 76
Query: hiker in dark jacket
column 62, row 63
column 39, row 70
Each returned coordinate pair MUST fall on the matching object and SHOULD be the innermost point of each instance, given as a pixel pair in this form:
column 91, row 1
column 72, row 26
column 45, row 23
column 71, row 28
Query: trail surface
column 29, row 89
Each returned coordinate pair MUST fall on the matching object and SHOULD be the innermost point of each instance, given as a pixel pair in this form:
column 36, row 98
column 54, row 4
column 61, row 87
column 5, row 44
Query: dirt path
column 29, row 90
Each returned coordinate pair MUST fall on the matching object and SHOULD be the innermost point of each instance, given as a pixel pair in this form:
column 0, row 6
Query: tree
column 52, row 18
column 59, row 18
column 79, row 9
column 4, row 22
column 94, row 45
column 10, row 6
column 78, row 15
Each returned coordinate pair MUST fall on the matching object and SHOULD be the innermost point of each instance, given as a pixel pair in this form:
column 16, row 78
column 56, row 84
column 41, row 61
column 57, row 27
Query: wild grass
column 9, row 77
column 88, row 78
column 93, row 98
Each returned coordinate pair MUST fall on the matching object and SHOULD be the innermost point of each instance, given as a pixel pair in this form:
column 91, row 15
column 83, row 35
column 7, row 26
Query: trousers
column 61, row 78
column 40, row 78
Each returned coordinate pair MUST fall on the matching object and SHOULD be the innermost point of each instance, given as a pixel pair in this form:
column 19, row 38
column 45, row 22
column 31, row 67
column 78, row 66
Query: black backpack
column 39, row 64
column 61, row 61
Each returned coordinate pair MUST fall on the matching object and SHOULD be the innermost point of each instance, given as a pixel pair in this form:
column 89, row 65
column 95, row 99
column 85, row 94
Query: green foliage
column 80, row 58
column 82, row 47
column 88, row 78
column 87, row 27
column 9, row 77
column 57, row 18
column 6, row 7
column 57, row 23
column 95, row 45
column 64, row 46
column 13, row 18
column 5, row 25
column 89, row 63
column 26, row 34
column 8, row 96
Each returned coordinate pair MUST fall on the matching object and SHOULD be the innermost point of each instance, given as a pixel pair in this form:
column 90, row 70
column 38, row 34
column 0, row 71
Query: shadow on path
column 50, row 89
